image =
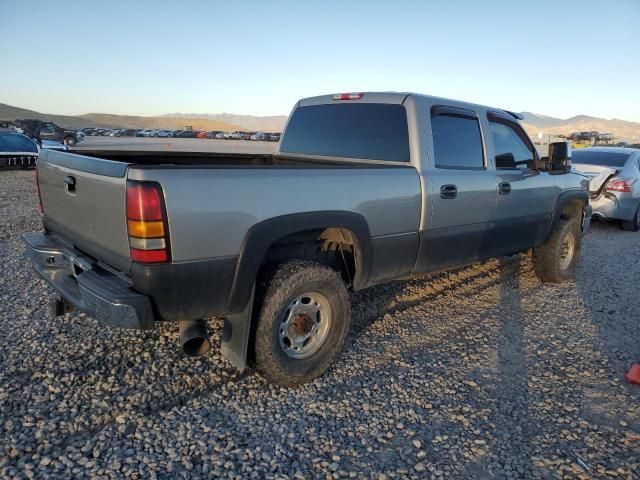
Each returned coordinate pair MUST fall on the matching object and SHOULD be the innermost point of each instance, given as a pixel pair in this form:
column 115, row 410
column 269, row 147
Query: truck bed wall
column 211, row 210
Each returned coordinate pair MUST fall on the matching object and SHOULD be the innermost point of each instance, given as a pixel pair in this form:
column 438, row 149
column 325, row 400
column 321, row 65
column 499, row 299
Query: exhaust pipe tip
column 194, row 337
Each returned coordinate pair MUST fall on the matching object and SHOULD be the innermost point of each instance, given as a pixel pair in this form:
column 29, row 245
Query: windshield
column 602, row 158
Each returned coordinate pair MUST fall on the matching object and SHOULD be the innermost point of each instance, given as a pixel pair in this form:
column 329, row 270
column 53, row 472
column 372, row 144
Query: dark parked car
column 41, row 130
column 17, row 150
column 127, row 132
column 187, row 134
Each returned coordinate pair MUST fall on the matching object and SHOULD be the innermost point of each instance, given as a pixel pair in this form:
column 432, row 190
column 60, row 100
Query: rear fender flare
column 264, row 234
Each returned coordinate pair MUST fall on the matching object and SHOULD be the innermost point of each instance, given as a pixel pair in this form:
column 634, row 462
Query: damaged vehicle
column 614, row 183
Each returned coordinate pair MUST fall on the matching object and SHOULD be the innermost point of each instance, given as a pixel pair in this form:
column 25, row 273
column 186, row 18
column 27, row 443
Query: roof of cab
column 395, row 98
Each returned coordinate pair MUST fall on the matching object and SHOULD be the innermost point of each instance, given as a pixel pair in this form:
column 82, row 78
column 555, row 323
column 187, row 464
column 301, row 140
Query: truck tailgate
column 85, row 196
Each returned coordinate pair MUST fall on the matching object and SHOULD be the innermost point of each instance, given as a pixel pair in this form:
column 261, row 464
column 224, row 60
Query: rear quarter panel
column 210, row 210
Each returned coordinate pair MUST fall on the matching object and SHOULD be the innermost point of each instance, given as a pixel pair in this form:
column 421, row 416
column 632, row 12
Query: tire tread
column 273, row 288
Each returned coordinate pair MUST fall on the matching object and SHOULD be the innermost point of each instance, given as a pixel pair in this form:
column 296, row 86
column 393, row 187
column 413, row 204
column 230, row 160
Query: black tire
column 549, row 259
column 632, row 225
column 277, row 291
column 70, row 141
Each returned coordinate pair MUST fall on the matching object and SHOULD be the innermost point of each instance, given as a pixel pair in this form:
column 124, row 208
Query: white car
column 233, row 135
column 147, row 132
column 260, row 136
column 163, row 133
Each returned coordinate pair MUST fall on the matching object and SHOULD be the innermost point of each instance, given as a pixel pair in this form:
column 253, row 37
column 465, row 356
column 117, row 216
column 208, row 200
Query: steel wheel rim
column 567, row 251
column 304, row 325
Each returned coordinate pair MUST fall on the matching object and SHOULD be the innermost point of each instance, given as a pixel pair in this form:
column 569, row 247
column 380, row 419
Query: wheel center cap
column 302, row 325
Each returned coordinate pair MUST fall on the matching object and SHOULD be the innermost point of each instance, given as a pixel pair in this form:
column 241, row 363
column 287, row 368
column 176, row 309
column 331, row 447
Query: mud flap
column 586, row 218
column 235, row 335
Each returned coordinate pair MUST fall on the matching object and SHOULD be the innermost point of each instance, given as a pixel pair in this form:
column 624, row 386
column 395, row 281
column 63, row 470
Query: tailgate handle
column 70, row 183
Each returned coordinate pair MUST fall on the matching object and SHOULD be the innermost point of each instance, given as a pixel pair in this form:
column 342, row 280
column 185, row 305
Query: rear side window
column 604, row 159
column 372, row 131
column 457, row 141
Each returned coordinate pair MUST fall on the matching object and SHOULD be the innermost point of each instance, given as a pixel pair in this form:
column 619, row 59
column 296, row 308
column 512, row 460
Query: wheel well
column 332, row 246
column 573, row 209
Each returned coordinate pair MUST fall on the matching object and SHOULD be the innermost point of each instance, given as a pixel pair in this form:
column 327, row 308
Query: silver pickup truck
column 364, row 188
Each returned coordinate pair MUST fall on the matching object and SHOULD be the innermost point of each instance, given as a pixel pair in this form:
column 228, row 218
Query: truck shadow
column 497, row 389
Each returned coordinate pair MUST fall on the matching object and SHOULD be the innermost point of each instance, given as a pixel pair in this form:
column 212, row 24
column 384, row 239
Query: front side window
column 457, row 142
column 511, row 150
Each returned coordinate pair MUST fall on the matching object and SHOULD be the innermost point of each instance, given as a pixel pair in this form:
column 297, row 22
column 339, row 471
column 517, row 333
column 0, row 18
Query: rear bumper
column 612, row 206
column 85, row 285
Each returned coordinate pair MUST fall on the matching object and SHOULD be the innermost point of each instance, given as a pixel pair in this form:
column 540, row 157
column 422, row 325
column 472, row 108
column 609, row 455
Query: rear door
column 83, row 199
column 461, row 192
column 525, row 196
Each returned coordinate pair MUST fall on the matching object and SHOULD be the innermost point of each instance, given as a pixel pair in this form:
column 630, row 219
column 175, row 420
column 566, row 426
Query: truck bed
column 213, row 200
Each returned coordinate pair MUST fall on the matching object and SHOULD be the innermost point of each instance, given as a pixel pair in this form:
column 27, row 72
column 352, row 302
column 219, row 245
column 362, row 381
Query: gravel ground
column 479, row 373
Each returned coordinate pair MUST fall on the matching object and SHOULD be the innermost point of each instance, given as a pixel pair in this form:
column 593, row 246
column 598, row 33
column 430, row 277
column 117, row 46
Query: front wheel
column 303, row 321
column 555, row 260
column 632, row 225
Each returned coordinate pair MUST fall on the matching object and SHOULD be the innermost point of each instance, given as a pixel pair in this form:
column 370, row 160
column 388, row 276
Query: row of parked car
column 166, row 133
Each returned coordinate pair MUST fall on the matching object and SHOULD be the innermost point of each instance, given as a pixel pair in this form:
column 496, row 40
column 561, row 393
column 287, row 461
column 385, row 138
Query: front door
column 461, row 197
column 525, row 196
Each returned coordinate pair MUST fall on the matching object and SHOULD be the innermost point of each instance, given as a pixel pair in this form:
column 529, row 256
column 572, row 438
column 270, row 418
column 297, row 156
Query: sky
column 558, row 58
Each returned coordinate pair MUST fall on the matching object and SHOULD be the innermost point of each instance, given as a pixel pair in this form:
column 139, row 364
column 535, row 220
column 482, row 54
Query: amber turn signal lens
column 145, row 229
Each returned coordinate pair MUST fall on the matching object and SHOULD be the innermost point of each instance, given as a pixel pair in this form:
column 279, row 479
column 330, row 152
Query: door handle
column 448, row 191
column 70, row 183
column 504, row 188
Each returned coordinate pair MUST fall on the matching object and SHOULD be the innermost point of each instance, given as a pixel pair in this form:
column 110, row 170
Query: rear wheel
column 70, row 141
column 632, row 225
column 302, row 323
column 555, row 260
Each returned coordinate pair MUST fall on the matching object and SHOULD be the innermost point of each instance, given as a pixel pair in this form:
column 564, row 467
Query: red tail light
column 621, row 185
column 147, row 223
column 38, row 188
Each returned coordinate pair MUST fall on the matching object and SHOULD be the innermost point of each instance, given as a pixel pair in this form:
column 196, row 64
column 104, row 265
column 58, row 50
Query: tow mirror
column 559, row 159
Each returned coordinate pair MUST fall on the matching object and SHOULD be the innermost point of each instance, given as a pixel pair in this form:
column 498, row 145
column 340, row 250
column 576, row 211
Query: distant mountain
column 540, row 121
column 104, row 120
column 533, row 122
column 249, row 122
column 621, row 129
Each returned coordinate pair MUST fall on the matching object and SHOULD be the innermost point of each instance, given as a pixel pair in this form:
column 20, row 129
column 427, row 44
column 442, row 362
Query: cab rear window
column 371, row 131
